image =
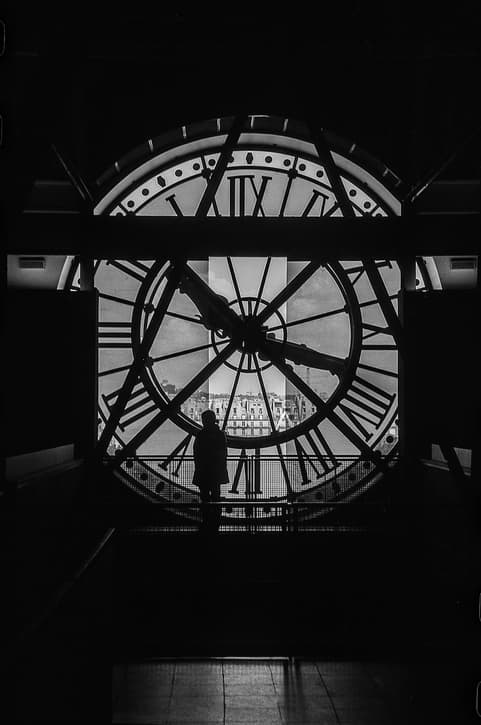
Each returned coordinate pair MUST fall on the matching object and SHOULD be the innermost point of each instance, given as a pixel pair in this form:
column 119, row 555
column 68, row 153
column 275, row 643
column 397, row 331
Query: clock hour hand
column 303, row 355
column 215, row 312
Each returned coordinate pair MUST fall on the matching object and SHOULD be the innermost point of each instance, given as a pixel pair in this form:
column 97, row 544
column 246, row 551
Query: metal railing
column 257, row 477
column 264, row 493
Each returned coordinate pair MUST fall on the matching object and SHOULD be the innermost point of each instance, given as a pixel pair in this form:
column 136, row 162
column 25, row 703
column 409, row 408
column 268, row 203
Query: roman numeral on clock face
column 137, row 270
column 323, row 208
column 114, row 334
column 366, row 405
column 138, row 405
column 177, row 456
column 371, row 332
column 317, row 457
column 242, row 466
column 173, row 203
column 238, row 196
column 355, row 273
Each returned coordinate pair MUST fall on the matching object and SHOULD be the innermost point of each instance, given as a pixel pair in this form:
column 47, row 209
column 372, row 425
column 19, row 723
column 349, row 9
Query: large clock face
column 298, row 359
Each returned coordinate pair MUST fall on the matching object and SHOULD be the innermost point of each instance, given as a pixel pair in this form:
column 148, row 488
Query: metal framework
column 103, row 237
column 109, row 237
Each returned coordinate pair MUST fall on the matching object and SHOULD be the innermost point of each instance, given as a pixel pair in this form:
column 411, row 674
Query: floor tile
column 197, row 700
column 241, row 689
column 311, row 712
column 251, row 700
column 258, row 715
column 196, row 708
column 292, row 698
column 197, row 689
column 248, row 677
column 266, row 720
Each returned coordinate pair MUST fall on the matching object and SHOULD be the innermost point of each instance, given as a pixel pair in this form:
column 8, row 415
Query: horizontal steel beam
column 139, row 237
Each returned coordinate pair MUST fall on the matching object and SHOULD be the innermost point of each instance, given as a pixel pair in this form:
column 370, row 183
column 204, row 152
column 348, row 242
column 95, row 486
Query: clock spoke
column 188, row 318
column 236, row 286
column 187, row 351
column 262, row 284
column 370, row 303
column 169, row 356
column 115, row 298
column 264, row 394
column 293, row 286
column 174, row 404
column 312, row 318
column 232, row 394
column 114, row 371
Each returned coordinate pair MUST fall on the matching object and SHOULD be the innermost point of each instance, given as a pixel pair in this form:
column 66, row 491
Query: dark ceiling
column 97, row 82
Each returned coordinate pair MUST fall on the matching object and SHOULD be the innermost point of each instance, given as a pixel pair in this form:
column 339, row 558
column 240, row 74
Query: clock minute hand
column 303, row 355
column 215, row 312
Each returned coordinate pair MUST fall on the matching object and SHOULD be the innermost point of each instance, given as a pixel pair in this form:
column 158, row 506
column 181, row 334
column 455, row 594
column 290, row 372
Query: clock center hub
column 253, row 334
column 250, row 335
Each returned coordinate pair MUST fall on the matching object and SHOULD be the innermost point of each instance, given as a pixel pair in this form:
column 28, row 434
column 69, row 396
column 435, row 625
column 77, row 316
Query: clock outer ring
column 217, row 149
column 276, row 438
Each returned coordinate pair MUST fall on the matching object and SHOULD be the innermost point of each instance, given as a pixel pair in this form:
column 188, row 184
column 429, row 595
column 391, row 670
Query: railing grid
column 252, row 477
column 264, row 493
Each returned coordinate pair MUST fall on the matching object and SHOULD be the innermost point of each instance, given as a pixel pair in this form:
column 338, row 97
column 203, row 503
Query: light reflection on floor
column 262, row 692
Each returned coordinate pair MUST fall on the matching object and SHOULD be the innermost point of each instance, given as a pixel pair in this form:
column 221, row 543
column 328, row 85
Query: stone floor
column 268, row 692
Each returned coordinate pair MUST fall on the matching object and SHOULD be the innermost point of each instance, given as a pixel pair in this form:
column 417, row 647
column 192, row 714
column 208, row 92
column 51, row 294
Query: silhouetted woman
column 210, row 457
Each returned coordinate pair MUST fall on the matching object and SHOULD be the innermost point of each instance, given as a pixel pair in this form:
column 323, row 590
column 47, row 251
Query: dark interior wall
column 50, row 381
column 397, row 81
column 45, row 531
column 442, row 369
